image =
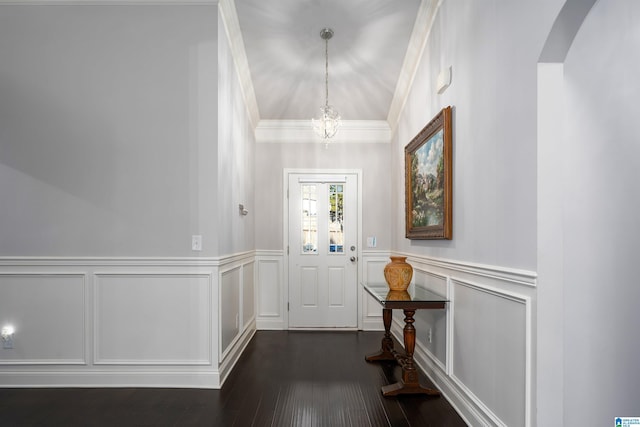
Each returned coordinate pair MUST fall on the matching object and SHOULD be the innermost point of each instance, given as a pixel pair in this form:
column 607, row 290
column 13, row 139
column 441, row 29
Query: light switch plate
column 371, row 242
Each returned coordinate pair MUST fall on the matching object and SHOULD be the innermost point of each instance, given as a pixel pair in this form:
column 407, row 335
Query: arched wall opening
column 588, row 163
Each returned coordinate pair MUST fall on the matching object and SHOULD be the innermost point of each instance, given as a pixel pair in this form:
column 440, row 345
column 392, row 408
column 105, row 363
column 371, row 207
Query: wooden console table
column 409, row 302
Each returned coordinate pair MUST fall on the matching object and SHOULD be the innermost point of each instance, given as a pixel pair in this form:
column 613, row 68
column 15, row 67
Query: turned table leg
column 386, row 351
column 409, row 383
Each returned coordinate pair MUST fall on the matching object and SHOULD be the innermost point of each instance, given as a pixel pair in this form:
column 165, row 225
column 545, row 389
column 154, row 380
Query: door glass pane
column 336, row 218
column 309, row 218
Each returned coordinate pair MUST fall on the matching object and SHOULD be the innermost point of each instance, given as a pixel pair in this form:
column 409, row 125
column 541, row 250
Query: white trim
column 35, row 362
column 97, row 361
column 515, row 285
column 69, row 261
column 128, row 373
column 275, row 253
column 108, row 2
column 209, row 379
column 235, row 350
column 517, row 298
column 421, row 30
column 222, row 353
column 85, row 317
column 451, row 309
column 236, row 44
column 519, row 277
column 366, row 320
column 285, row 230
column 270, row 320
column 301, row 131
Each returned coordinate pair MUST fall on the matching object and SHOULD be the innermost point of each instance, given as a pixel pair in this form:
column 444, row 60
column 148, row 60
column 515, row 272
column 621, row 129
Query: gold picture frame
column 428, row 180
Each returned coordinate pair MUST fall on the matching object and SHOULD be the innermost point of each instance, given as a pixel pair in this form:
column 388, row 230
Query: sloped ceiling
column 372, row 59
column 280, row 56
column 286, row 54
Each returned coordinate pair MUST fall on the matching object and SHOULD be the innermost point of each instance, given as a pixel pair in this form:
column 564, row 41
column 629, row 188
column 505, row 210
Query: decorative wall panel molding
column 236, row 293
column 152, row 322
column 502, row 274
column 271, row 310
column 487, row 332
column 373, row 263
column 48, row 310
column 271, row 300
column 148, row 319
column 503, row 320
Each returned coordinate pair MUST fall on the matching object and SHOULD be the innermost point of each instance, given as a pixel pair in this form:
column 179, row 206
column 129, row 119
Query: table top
column 414, row 298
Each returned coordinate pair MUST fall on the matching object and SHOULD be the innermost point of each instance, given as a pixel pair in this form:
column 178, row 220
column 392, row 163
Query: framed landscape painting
column 428, row 178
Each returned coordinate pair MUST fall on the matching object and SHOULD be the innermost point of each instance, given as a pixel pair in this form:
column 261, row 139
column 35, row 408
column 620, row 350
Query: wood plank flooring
column 284, row 378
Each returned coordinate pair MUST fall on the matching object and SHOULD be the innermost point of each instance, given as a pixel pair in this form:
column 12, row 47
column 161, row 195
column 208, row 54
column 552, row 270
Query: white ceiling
column 285, row 54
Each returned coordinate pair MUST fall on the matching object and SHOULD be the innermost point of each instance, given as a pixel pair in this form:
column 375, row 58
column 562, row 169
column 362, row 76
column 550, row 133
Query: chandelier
column 327, row 125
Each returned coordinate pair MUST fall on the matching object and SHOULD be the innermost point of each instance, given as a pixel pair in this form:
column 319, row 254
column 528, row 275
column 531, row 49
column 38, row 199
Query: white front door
column 323, row 255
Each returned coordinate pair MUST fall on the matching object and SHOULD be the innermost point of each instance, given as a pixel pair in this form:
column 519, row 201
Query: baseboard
column 233, row 354
column 270, row 325
column 207, row 379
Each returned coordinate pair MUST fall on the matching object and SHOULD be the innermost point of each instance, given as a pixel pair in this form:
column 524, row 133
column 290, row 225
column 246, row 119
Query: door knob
column 353, row 259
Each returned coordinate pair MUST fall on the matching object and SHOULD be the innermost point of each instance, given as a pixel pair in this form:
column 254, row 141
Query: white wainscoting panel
column 125, row 322
column 481, row 350
column 373, row 263
column 432, row 325
column 271, row 304
column 48, row 312
column 150, row 319
column 230, row 282
column 491, row 350
column 237, row 315
column 248, row 294
column 272, row 298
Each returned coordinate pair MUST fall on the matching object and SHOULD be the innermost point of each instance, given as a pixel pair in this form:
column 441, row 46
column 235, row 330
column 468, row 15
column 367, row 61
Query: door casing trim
column 285, row 234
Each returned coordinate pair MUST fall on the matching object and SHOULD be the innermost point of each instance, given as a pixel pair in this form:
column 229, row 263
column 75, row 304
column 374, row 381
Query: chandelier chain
column 326, row 71
column 329, row 121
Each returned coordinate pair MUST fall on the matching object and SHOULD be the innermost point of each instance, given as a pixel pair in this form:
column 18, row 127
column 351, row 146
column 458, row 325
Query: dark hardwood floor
column 283, row 379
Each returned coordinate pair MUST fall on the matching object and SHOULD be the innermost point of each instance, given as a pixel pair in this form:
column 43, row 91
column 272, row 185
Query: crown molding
column 294, row 130
column 236, row 43
column 108, row 2
column 301, row 131
column 421, row 30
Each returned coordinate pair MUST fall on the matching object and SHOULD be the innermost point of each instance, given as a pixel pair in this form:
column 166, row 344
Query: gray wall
column 235, row 177
column 372, row 159
column 599, row 181
column 493, row 48
column 108, row 125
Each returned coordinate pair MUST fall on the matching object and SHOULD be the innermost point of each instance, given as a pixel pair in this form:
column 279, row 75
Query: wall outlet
column 196, row 243
column 7, row 342
column 6, row 334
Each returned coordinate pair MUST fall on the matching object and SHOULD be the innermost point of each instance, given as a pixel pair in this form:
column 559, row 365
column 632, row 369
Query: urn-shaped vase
column 398, row 273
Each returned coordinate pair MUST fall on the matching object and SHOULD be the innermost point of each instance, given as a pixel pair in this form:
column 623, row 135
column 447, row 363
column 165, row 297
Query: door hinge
column 287, row 250
column 287, row 306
